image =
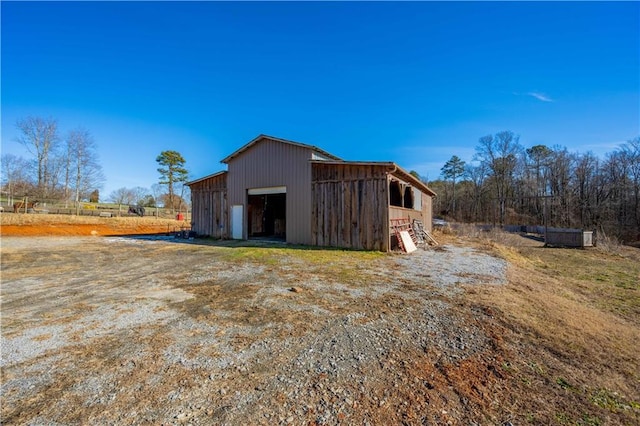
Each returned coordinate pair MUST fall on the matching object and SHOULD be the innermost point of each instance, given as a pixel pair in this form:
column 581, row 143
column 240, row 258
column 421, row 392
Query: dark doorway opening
column 267, row 216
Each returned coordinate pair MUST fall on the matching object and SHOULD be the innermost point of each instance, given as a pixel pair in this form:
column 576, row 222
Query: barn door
column 236, row 222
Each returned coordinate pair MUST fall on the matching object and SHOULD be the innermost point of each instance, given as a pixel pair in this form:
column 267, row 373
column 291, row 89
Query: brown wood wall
column 209, row 212
column 402, row 213
column 349, row 207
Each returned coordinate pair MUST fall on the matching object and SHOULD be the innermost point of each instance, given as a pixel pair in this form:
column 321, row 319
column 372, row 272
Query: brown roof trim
column 260, row 137
column 207, row 177
column 411, row 178
column 394, row 170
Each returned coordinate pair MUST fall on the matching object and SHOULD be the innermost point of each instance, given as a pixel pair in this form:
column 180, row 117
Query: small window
column 395, row 194
column 408, row 197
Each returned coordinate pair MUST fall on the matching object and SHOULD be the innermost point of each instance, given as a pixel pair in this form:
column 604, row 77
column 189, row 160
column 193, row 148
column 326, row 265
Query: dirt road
column 115, row 330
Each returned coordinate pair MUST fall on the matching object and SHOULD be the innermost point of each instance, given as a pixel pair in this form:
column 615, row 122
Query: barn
column 280, row 189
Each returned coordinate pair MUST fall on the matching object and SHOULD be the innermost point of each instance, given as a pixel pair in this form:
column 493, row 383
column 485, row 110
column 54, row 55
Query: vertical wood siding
column 209, row 212
column 271, row 163
column 349, row 207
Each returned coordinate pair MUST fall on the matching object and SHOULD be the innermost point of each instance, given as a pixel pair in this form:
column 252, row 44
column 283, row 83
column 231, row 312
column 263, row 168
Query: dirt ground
column 24, row 225
column 160, row 330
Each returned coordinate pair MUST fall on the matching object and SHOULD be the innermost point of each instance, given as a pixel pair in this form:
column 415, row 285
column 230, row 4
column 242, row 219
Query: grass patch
column 612, row 401
column 608, row 281
column 337, row 264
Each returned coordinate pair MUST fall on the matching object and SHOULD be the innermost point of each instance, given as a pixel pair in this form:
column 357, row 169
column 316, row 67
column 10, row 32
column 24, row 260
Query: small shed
column 563, row 237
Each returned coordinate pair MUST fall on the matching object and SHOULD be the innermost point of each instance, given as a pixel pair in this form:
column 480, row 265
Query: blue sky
column 411, row 82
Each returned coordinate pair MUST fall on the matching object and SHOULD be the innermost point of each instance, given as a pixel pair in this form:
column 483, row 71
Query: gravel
column 141, row 344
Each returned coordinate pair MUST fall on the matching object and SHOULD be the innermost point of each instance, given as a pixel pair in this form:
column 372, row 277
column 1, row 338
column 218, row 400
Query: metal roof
column 261, row 137
column 206, row 177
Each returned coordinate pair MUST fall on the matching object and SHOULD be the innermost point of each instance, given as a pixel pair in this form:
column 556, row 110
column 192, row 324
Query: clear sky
column 411, row 82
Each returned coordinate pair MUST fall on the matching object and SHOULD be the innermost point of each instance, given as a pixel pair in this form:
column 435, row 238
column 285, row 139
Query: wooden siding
column 402, row 213
column 271, row 163
column 209, row 212
column 349, row 206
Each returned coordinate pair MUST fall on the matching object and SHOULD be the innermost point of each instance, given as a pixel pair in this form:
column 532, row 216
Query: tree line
column 66, row 168
column 508, row 184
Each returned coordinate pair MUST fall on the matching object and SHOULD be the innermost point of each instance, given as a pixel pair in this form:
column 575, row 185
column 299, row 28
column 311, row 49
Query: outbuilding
column 280, row 189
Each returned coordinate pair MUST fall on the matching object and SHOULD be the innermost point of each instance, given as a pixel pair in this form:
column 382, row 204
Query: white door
column 236, row 222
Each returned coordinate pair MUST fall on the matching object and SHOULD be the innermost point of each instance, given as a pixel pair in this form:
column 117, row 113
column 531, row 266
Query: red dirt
column 83, row 230
column 33, row 225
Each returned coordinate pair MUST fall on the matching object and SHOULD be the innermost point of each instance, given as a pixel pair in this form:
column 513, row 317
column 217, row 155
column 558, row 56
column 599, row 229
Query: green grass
column 613, row 402
column 337, row 264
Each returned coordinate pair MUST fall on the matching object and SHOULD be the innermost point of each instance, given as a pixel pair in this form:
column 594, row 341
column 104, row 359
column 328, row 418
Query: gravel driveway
column 148, row 331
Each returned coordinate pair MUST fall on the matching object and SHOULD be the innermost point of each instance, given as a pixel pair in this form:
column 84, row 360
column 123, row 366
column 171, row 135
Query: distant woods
column 61, row 167
column 508, row 184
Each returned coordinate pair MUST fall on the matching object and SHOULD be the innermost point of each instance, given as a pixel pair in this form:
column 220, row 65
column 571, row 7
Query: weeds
column 564, row 384
column 608, row 244
column 612, row 401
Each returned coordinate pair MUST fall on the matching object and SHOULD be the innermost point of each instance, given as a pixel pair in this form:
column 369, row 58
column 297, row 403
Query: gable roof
column 261, row 137
column 222, row 172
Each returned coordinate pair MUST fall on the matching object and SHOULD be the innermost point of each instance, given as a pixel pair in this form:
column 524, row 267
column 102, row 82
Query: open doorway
column 267, row 216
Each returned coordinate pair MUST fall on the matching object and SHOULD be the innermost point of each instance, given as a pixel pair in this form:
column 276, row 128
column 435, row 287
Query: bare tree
column 552, row 186
column 499, row 153
column 631, row 155
column 40, row 137
column 15, row 172
column 477, row 175
column 156, row 190
column 535, row 180
column 122, row 196
column 139, row 194
column 83, row 173
column 586, row 187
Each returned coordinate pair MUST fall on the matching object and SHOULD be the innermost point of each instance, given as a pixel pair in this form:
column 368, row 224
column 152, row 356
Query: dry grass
column 564, row 330
column 608, row 243
column 575, row 320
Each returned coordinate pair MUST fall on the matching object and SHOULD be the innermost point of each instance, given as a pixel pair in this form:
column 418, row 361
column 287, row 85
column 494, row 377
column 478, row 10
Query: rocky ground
column 133, row 331
column 153, row 329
